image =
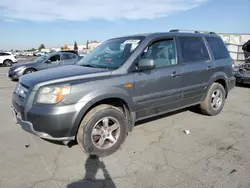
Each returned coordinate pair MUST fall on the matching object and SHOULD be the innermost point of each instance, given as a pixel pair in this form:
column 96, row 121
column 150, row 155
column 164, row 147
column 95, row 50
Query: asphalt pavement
column 157, row 154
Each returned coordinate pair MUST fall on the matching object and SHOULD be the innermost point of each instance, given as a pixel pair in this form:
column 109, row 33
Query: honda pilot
column 97, row 101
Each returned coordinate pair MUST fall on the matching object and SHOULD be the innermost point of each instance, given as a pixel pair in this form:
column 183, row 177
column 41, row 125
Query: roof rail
column 195, row 31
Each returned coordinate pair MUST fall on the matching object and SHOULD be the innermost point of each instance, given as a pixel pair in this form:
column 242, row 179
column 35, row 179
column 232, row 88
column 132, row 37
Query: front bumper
column 14, row 75
column 53, row 122
column 28, row 126
column 243, row 78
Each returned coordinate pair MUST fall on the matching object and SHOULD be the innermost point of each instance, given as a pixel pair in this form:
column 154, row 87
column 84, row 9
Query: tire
column 209, row 106
column 89, row 143
column 7, row 63
column 29, row 70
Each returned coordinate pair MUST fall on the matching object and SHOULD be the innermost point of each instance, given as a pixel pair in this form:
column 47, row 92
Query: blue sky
column 28, row 23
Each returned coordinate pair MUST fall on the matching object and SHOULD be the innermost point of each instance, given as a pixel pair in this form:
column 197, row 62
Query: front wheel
column 214, row 101
column 102, row 131
column 29, row 71
column 7, row 63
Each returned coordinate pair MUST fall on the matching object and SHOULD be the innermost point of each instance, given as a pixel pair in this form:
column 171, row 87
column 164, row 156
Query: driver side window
column 54, row 59
column 162, row 52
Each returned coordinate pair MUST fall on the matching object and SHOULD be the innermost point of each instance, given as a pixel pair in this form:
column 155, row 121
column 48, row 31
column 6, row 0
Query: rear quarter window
column 218, row 48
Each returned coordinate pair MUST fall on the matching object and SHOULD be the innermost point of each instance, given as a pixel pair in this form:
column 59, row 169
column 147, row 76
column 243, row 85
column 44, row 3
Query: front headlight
column 19, row 68
column 52, row 94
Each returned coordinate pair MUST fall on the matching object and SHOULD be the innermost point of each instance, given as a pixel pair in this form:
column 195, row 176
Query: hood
column 21, row 64
column 30, row 80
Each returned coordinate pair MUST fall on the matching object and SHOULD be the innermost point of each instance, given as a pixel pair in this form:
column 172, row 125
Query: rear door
column 198, row 68
column 222, row 60
column 69, row 59
column 159, row 90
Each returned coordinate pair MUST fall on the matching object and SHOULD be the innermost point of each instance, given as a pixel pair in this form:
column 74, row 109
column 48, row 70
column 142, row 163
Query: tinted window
column 193, row 49
column 163, row 52
column 68, row 56
column 3, row 54
column 218, row 48
column 54, row 58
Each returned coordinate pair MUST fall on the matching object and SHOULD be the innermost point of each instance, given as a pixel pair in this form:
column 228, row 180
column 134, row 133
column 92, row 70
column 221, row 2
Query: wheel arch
column 7, row 60
column 220, row 78
column 31, row 68
column 115, row 100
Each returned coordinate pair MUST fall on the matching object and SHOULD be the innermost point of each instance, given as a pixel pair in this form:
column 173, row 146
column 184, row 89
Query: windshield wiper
column 88, row 65
column 94, row 66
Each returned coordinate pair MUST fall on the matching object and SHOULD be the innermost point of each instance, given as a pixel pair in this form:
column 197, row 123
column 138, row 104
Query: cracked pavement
column 156, row 154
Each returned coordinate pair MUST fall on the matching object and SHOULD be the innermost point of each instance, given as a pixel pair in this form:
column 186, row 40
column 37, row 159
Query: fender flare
column 89, row 100
column 214, row 78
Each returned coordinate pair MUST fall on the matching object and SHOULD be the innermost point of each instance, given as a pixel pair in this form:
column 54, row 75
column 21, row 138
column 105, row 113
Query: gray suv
column 51, row 60
column 126, row 79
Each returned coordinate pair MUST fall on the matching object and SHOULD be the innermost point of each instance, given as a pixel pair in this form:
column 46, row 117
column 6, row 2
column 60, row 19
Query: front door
column 53, row 61
column 159, row 90
column 198, row 69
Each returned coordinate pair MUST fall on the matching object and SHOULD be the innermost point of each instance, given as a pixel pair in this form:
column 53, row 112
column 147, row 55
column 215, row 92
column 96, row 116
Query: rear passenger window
column 68, row 56
column 218, row 48
column 193, row 49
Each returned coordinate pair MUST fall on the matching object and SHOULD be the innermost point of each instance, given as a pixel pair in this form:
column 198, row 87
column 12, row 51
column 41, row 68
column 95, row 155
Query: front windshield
column 40, row 59
column 112, row 53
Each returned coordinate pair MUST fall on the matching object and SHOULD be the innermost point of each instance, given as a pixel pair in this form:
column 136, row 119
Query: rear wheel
column 7, row 63
column 102, row 131
column 28, row 71
column 214, row 101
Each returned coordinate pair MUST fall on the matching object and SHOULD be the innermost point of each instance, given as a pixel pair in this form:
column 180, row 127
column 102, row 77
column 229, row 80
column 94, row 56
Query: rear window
column 193, row 49
column 218, row 48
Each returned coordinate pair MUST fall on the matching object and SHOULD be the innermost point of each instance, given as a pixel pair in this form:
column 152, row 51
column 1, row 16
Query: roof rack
column 195, row 31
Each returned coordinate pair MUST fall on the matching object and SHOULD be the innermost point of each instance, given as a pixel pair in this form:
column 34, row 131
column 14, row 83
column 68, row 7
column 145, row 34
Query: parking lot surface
column 156, row 154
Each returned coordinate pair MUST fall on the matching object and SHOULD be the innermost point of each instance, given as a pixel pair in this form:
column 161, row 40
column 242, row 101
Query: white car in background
column 7, row 59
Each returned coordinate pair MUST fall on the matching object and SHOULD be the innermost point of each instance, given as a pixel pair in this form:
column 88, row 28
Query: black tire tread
column 205, row 104
column 87, row 117
column 6, row 61
column 26, row 70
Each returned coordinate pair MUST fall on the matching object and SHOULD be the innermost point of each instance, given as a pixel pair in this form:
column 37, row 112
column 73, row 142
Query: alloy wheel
column 105, row 133
column 217, row 99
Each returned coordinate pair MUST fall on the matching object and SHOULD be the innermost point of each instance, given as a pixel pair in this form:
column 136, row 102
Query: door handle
column 175, row 74
column 209, row 68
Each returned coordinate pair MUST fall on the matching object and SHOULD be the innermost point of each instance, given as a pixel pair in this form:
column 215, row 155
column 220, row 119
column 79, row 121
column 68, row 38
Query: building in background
column 55, row 49
column 80, row 47
column 84, row 47
column 234, row 42
column 46, row 50
column 92, row 45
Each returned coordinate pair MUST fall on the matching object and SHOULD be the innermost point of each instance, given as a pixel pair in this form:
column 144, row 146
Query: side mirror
column 48, row 61
column 146, row 64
